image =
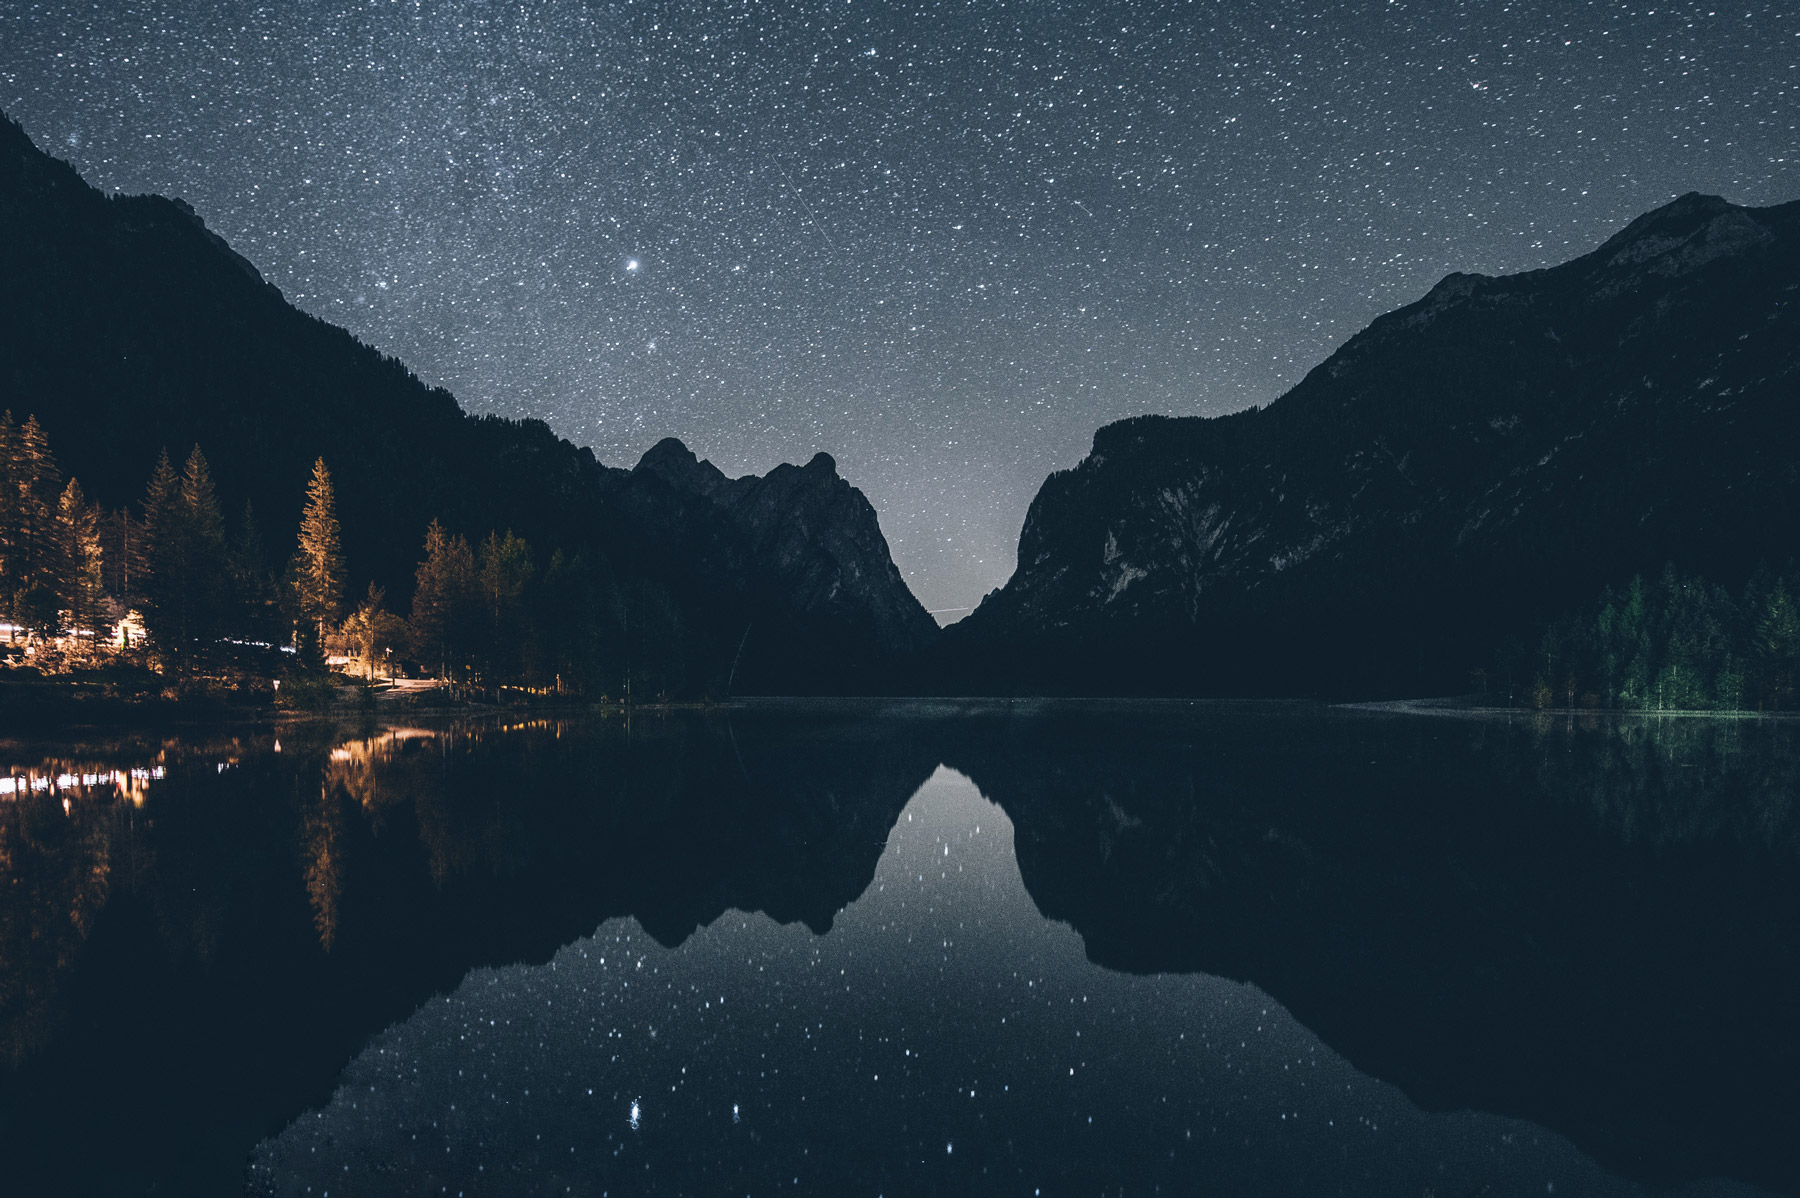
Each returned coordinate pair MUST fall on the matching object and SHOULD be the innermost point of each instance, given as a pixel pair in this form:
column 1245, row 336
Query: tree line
column 488, row 615
column 1675, row 643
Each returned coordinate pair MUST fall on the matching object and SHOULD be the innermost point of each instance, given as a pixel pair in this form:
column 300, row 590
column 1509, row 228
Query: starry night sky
column 943, row 241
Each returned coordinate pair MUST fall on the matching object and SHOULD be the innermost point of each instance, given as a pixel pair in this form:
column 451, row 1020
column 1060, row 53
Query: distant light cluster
column 942, row 240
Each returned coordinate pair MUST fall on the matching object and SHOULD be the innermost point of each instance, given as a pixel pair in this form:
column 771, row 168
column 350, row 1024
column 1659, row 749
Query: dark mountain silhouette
column 1468, row 466
column 359, row 883
column 127, row 326
column 1601, row 946
column 831, row 584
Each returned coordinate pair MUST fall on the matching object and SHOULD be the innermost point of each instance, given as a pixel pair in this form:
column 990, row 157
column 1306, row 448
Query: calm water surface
column 1039, row 949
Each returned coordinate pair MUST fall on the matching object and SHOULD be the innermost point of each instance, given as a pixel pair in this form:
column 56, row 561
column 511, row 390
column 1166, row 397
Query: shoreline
column 47, row 703
column 1456, row 707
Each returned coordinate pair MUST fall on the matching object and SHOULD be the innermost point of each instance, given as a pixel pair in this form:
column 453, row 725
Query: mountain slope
column 1466, row 466
column 126, row 326
column 818, row 533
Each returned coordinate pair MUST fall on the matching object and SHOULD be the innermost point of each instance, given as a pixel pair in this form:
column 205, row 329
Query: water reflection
column 1590, row 924
column 262, row 920
column 56, row 869
column 1587, row 924
column 944, row 1038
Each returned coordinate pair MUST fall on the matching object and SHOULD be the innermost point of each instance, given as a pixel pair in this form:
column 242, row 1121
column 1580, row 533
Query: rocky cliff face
column 815, row 534
column 126, row 326
column 1468, row 465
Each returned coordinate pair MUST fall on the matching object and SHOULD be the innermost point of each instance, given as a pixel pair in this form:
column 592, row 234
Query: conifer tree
column 1775, row 646
column 161, row 553
column 159, row 506
column 29, row 562
column 575, row 643
column 184, row 538
column 122, row 558
column 9, row 509
column 655, row 657
column 444, row 600
column 253, row 604
column 318, row 574
column 200, row 506
column 504, row 573
column 209, row 578
column 78, row 525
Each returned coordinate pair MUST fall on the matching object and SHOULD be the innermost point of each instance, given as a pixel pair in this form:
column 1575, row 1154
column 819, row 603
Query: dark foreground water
column 1033, row 949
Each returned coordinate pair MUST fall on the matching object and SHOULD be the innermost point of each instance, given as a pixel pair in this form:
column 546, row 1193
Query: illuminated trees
column 318, row 569
column 489, row 615
column 445, row 600
column 372, row 630
column 78, row 531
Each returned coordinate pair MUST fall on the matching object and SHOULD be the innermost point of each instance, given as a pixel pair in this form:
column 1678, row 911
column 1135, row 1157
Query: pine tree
column 200, row 505
column 185, row 586
column 9, row 510
column 504, row 573
column 28, row 535
column 122, row 557
column 159, row 506
column 444, row 600
column 252, row 610
column 78, row 525
column 208, row 564
column 162, row 551
column 576, row 643
column 318, row 575
column 655, row 642
column 1775, row 647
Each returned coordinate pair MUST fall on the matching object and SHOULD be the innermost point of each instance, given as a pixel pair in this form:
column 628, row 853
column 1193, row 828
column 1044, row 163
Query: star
column 1177, row 216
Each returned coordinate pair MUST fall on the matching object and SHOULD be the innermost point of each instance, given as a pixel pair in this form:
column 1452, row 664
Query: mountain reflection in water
column 1590, row 926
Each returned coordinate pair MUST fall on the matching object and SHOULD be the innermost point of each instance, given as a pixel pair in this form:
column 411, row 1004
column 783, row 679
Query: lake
column 1021, row 948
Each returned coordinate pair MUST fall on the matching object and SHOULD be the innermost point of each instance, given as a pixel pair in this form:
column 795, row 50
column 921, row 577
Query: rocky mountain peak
column 1680, row 217
column 801, row 537
column 1683, row 236
column 674, row 463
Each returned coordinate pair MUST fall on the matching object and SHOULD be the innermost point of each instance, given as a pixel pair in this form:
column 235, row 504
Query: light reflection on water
column 1587, row 923
column 81, row 782
column 942, row 1037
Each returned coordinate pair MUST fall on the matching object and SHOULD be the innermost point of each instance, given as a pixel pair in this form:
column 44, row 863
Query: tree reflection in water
column 55, row 874
column 1589, row 922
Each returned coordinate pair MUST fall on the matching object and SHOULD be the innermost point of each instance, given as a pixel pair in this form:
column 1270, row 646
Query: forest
column 176, row 589
column 1675, row 643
